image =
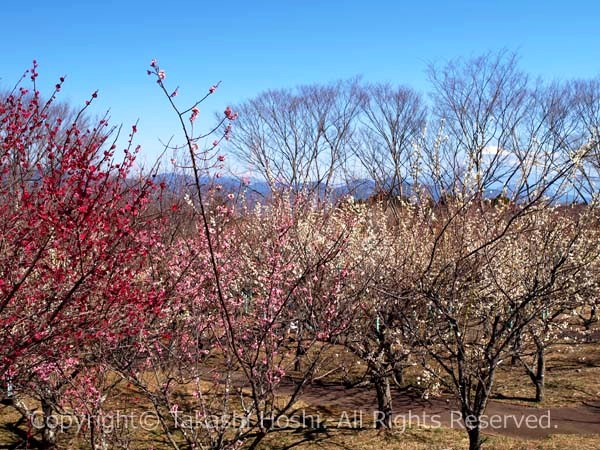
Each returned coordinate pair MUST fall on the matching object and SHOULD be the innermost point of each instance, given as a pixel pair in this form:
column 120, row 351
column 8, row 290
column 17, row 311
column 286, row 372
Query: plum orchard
column 197, row 304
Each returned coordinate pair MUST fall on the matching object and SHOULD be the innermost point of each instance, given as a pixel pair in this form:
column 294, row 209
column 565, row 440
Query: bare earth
column 510, row 420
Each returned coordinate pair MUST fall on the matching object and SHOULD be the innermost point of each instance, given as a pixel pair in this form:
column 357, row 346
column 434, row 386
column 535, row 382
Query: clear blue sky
column 256, row 45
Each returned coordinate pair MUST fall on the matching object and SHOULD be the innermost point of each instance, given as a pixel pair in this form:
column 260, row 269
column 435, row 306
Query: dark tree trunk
column 540, row 375
column 514, row 359
column 257, row 440
column 474, row 438
column 300, row 352
column 384, row 402
column 537, row 374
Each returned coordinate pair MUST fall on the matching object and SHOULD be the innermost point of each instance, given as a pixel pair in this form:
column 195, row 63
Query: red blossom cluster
column 229, row 114
column 74, row 250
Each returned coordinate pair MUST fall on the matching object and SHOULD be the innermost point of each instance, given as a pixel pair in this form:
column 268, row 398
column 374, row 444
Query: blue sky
column 253, row 46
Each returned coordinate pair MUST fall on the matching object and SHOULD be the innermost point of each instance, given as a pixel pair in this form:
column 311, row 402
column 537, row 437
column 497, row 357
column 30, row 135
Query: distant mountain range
column 360, row 189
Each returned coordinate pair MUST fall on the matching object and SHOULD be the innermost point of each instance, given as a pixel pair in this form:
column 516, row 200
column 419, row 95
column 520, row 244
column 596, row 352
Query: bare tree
column 585, row 95
column 299, row 138
column 479, row 104
column 392, row 119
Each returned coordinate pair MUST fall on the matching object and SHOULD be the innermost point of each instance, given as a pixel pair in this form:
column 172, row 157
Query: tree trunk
column 384, row 402
column 260, row 435
column 300, row 352
column 514, row 359
column 399, row 375
column 540, row 375
column 537, row 374
column 49, row 437
column 589, row 321
column 474, row 438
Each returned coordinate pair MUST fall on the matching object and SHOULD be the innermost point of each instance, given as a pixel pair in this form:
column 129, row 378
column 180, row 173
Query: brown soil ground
column 332, row 400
